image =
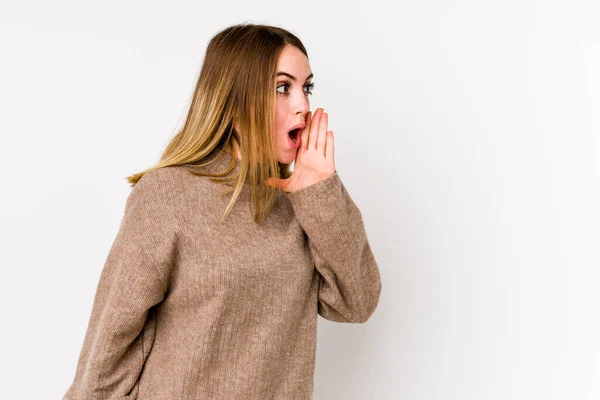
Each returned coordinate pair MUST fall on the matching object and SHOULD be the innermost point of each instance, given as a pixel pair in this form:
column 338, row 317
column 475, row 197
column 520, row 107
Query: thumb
column 283, row 183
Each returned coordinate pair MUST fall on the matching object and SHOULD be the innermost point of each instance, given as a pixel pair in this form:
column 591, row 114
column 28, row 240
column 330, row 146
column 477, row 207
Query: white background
column 466, row 131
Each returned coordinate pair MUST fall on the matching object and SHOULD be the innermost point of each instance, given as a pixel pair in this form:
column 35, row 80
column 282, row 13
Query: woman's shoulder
column 165, row 185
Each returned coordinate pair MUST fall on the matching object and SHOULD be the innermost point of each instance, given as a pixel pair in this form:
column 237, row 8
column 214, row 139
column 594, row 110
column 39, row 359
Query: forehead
column 293, row 61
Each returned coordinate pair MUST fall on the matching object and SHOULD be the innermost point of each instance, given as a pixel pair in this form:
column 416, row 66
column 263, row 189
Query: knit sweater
column 188, row 307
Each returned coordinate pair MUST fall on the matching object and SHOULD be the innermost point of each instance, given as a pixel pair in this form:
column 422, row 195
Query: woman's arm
column 350, row 282
column 134, row 278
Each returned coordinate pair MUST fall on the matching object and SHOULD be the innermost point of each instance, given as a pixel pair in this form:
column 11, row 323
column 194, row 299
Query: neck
column 236, row 151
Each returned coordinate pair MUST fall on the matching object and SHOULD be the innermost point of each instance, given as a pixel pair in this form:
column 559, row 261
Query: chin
column 286, row 159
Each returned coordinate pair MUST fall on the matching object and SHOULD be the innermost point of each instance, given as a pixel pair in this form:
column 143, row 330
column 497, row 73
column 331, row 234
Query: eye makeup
column 287, row 83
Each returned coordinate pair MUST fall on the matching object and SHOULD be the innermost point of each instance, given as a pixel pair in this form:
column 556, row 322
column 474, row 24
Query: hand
column 314, row 157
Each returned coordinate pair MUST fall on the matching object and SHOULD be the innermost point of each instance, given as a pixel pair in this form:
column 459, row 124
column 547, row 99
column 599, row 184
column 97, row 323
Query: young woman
column 194, row 303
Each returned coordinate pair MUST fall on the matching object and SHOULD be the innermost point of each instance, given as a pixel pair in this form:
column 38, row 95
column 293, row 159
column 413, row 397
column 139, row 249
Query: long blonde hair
column 235, row 88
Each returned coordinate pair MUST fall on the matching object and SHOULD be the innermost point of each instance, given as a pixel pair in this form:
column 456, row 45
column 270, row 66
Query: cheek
column 280, row 117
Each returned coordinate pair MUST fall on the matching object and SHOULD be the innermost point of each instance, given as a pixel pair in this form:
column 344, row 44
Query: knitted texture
column 191, row 308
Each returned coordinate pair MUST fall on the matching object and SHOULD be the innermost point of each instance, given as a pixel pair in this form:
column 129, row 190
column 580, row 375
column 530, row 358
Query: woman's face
column 293, row 85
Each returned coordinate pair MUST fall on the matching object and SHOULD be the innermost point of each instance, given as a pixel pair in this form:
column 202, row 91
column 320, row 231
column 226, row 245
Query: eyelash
column 288, row 83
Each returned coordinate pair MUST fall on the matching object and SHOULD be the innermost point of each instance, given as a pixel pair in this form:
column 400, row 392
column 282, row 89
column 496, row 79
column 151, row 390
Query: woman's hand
column 314, row 157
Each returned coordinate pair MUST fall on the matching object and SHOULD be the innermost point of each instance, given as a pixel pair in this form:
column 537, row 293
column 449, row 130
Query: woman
column 196, row 304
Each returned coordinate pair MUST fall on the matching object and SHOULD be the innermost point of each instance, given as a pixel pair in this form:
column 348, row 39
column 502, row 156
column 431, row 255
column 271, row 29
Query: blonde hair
column 235, row 89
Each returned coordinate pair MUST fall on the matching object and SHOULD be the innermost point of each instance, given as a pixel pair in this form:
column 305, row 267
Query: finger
column 314, row 129
column 278, row 183
column 322, row 138
column 329, row 146
column 271, row 182
column 283, row 184
column 305, row 131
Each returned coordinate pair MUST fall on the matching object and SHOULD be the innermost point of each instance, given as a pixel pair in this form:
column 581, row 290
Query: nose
column 301, row 104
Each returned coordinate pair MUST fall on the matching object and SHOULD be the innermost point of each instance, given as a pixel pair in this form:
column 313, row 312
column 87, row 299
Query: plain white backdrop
column 466, row 131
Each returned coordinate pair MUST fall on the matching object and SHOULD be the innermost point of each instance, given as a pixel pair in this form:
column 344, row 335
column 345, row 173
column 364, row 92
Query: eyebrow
column 292, row 77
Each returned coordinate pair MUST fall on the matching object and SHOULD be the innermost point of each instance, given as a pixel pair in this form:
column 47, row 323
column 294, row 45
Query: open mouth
column 293, row 134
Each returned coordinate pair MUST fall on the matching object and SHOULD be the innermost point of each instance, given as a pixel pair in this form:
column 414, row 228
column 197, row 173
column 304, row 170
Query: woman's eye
column 282, row 86
column 308, row 88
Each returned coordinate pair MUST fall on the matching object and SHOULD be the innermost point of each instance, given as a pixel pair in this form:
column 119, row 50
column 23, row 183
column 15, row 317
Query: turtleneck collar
column 219, row 161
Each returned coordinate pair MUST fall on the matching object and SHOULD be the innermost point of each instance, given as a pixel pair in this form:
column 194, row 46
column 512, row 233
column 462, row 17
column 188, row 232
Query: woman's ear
column 235, row 124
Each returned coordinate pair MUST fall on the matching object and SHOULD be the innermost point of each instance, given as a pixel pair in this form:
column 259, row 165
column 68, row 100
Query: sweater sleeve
column 349, row 282
column 134, row 278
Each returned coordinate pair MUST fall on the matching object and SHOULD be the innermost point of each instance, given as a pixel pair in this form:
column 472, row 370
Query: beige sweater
column 191, row 308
